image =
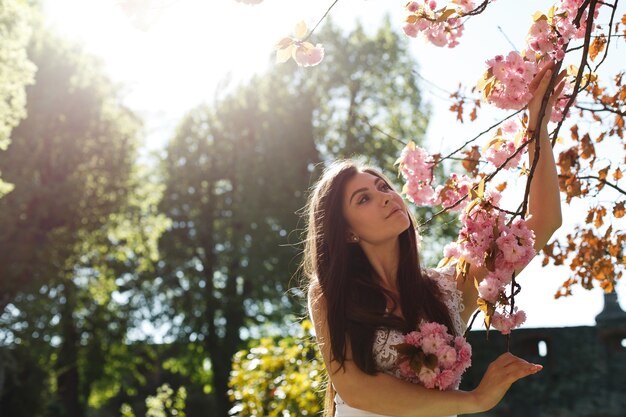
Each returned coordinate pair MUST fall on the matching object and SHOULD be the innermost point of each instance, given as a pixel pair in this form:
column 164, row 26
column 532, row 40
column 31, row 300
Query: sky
column 180, row 54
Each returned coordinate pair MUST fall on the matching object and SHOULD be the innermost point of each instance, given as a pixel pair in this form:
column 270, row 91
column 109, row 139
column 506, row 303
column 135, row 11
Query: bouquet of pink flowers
column 433, row 357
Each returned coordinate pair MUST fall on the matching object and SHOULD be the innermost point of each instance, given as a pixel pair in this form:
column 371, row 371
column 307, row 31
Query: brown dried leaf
column 473, row 114
column 597, row 46
column 574, row 130
column 603, row 173
column 587, row 150
column 470, row 163
column 618, row 210
column 600, row 213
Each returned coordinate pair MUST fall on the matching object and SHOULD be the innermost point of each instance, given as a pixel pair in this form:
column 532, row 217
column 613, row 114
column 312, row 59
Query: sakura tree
column 490, row 235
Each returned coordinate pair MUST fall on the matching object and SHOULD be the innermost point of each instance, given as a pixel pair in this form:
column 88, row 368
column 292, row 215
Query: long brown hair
column 354, row 296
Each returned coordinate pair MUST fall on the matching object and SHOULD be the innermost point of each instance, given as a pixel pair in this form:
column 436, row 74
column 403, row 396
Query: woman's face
column 373, row 210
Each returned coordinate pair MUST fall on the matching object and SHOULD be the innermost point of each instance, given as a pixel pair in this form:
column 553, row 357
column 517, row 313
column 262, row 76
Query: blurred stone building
column 584, row 372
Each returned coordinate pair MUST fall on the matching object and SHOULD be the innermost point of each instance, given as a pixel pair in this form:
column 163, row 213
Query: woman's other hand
column 499, row 377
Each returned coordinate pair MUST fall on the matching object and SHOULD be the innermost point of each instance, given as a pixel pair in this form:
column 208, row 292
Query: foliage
column 278, row 377
column 236, row 174
column 16, row 70
column 78, row 230
column 165, row 403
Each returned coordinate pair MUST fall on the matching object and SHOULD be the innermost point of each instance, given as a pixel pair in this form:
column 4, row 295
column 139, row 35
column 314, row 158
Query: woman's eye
column 363, row 199
column 385, row 187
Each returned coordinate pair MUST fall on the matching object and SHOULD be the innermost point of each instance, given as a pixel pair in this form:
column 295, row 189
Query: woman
column 366, row 287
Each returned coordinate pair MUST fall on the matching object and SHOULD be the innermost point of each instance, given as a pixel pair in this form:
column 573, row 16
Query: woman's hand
column 538, row 87
column 499, row 377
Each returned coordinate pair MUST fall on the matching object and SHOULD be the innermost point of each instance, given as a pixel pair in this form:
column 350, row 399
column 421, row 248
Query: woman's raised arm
column 387, row 395
column 544, row 200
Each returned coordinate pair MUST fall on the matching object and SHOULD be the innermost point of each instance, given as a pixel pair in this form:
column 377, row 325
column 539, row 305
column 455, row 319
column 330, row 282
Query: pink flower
column 451, row 250
column 489, row 289
column 406, row 370
column 413, row 338
column 511, row 126
column 307, row 55
column 412, row 7
column 455, row 188
column 512, row 78
column 464, row 351
column 466, row 5
column 432, row 328
column 498, row 153
column 411, row 30
column 447, row 379
column 431, row 343
column 416, row 166
column 428, row 377
column 453, row 357
column 425, row 18
column 507, row 322
column 446, row 355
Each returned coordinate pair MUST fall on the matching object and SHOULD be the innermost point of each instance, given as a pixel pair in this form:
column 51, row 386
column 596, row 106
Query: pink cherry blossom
column 511, row 126
column 431, row 343
column 498, row 153
column 466, row 5
column 416, row 166
column 489, row 289
column 308, row 56
column 512, row 77
column 505, row 322
column 446, row 379
column 428, row 377
column 455, row 188
column 413, row 338
column 464, row 351
column 424, row 18
column 446, row 356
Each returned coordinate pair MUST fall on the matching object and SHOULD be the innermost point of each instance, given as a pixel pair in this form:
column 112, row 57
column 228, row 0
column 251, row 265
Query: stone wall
column 584, row 372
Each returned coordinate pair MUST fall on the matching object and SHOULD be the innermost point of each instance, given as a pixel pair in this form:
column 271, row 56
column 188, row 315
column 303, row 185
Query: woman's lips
column 395, row 210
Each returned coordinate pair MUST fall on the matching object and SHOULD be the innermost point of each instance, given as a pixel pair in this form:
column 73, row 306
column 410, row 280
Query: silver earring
column 355, row 238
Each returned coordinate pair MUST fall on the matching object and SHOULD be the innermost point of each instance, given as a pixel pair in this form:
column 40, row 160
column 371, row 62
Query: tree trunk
column 68, row 379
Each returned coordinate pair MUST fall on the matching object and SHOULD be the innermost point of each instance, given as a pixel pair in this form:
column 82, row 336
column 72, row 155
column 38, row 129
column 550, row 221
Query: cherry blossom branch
column 479, row 135
column 365, row 120
column 608, row 39
column 320, row 21
column 478, row 10
column 604, row 108
column 485, row 179
column 583, row 59
column 593, row 177
column 469, row 327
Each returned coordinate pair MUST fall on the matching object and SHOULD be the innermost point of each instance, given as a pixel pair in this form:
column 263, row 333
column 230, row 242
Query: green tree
column 237, row 172
column 370, row 106
column 235, row 176
column 80, row 224
column 280, row 376
column 16, row 71
column 370, row 102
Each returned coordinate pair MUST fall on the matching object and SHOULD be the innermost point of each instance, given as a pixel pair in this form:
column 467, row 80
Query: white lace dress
column 386, row 356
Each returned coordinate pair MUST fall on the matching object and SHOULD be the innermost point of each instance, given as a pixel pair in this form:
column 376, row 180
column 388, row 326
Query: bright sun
column 173, row 53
